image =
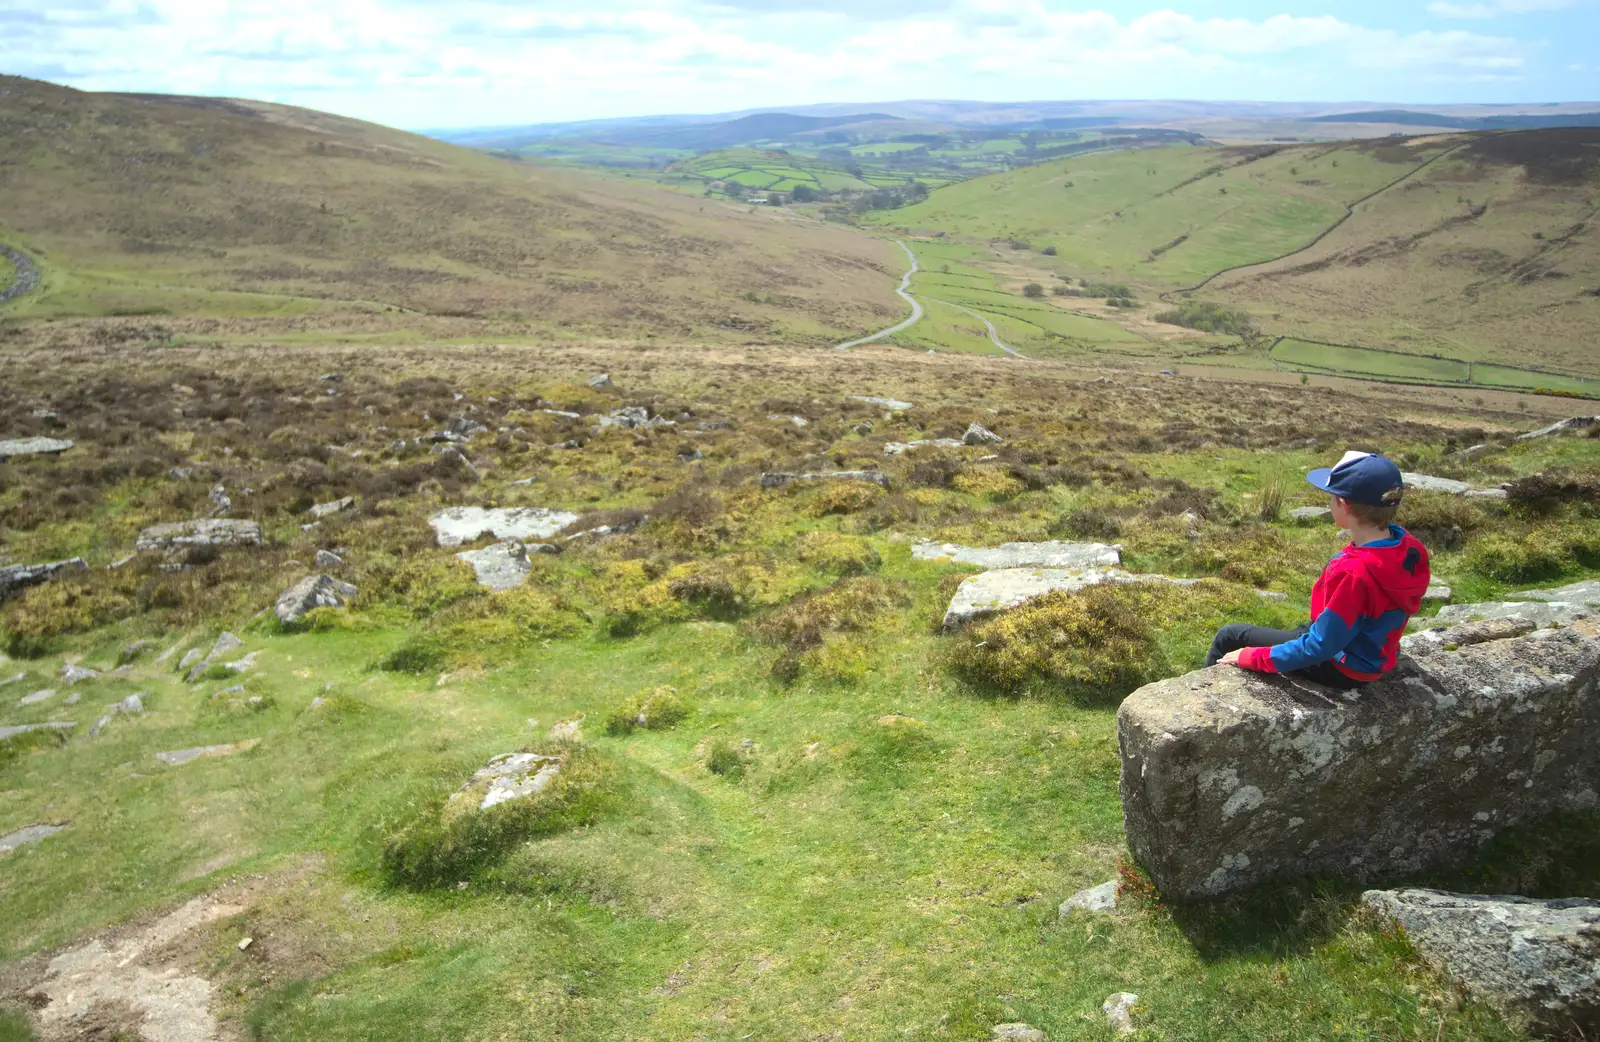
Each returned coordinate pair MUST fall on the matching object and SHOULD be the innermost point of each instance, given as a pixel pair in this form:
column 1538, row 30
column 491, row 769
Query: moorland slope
column 193, row 206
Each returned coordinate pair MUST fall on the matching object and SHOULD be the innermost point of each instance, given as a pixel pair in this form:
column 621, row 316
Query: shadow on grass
column 1558, row 856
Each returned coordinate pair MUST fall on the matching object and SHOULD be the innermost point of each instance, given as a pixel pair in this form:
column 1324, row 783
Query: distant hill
column 766, row 126
column 201, row 206
column 1521, row 121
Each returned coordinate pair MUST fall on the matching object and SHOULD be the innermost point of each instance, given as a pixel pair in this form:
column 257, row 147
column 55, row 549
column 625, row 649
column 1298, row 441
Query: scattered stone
column 714, row 425
column 226, row 643
column 245, row 943
column 563, row 414
column 15, row 729
column 314, row 591
column 73, row 699
column 458, row 525
column 993, row 592
column 543, row 548
column 1272, row 595
column 977, row 434
column 33, row 447
column 1231, row 777
column 14, row 577
column 1537, row 963
column 220, row 503
column 892, row 404
column 1437, row 593
column 629, row 418
column 331, row 378
column 1118, row 1009
column 203, row 532
column 1586, row 592
column 31, row 834
column 509, row 776
column 602, row 382
column 900, row 448
column 190, row 657
column 1428, row 483
column 322, row 510
column 181, row 473
column 452, row 460
column 328, row 559
column 522, row 483
column 37, row 697
column 798, row 421
column 1022, row 555
column 503, row 566
column 1498, row 494
column 8, row 681
column 691, row 457
column 1456, row 637
column 243, row 665
column 1018, row 1033
column 134, row 650
column 71, row 674
column 1102, row 898
column 1537, row 613
column 569, row 730
column 778, row 479
column 132, row 705
column 1311, row 513
column 183, row 756
column 1576, row 423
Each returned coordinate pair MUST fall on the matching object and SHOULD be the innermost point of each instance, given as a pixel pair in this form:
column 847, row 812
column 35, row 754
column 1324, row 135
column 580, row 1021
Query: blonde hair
column 1372, row 515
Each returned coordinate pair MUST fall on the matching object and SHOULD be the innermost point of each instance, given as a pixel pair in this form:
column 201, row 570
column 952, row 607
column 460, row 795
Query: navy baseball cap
column 1361, row 477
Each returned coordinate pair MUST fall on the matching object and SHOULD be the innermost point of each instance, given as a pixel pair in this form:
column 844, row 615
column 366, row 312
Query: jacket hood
column 1398, row 566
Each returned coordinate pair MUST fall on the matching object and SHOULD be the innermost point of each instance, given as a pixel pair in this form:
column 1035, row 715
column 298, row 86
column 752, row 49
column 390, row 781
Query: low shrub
column 655, row 710
column 1543, row 494
column 44, row 738
column 1546, row 552
column 1208, row 318
column 837, row 553
column 1033, row 289
column 496, row 626
column 850, row 606
column 1095, row 523
column 844, row 497
column 37, row 617
column 451, row 841
column 725, row 760
column 990, row 483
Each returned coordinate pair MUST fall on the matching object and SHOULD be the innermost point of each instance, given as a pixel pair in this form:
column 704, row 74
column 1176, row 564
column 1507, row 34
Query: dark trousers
column 1238, row 635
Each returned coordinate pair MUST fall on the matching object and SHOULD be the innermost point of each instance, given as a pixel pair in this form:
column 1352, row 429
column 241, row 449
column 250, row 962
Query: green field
column 1360, row 361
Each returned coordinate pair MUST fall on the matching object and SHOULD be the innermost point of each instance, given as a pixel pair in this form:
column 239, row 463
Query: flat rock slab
column 900, row 448
column 36, row 697
column 459, row 525
column 1022, row 555
column 31, row 834
column 183, row 756
column 1311, row 513
column 15, row 577
column 1586, row 592
column 212, row 531
column 1428, row 483
column 503, row 566
column 33, row 447
column 1575, row 423
column 893, row 404
column 322, row 510
column 1437, row 593
column 1230, row 778
column 509, row 776
column 314, row 591
column 1102, row 898
column 1536, row 962
column 1540, row 613
column 778, row 479
column 15, row 729
column 993, row 592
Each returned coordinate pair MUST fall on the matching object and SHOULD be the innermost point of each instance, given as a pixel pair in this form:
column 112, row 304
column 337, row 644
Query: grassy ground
column 883, row 858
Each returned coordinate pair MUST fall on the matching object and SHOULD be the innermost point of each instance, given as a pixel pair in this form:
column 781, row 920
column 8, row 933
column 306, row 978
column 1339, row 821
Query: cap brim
column 1320, row 477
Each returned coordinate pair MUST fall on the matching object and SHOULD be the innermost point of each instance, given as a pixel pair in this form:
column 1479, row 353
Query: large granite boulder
column 1536, row 962
column 203, row 532
column 1004, row 588
column 457, row 525
column 314, row 591
column 15, row 577
column 1022, row 555
column 1231, row 777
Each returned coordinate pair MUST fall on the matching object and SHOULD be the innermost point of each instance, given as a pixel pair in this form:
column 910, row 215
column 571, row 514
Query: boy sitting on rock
column 1364, row 597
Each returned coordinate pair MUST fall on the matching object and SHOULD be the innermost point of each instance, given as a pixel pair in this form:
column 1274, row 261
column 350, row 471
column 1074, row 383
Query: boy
column 1364, row 597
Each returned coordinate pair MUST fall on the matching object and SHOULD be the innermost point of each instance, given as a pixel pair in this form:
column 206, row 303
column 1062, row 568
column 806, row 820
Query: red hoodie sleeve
column 1258, row 659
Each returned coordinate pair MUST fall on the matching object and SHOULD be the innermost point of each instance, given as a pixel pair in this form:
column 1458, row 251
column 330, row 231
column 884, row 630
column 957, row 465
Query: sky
column 461, row 63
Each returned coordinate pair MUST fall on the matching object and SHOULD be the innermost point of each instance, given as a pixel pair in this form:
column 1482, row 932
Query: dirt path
column 26, row 278
column 994, row 334
column 916, row 306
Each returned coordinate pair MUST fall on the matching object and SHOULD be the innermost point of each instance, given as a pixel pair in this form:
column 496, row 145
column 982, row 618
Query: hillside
column 173, row 206
column 1478, row 248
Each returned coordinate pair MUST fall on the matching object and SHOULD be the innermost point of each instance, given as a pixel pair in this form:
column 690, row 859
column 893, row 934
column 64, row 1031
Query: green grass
column 1358, row 361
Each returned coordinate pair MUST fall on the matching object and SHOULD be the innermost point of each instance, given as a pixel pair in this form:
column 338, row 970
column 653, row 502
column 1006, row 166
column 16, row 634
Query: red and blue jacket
column 1359, row 609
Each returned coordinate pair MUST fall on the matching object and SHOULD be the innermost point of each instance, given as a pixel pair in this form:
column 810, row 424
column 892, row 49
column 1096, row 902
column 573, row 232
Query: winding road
column 916, row 306
column 994, row 334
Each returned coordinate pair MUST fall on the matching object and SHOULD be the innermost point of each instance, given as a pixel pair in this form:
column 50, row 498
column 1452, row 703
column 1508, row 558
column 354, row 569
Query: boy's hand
column 1230, row 659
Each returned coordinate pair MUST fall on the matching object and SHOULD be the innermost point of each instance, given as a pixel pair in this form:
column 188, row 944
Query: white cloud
column 1495, row 8
column 416, row 62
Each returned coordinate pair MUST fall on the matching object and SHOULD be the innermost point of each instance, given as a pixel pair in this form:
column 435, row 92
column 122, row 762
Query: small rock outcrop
column 337, row 506
column 1018, row 1033
column 72, row 674
column 203, row 752
column 502, row 566
column 33, row 447
column 13, row 730
column 778, row 479
column 978, row 434
column 328, row 559
column 458, row 525
column 1536, row 962
column 1118, row 1009
column 314, row 591
column 202, row 532
column 602, row 382
column 509, row 776
column 1102, row 898
column 31, row 834
column 196, row 662
column 133, row 705
column 1307, row 515
column 1231, row 777
column 15, row 577
column 892, row 404
column 1575, row 423
column 993, row 592
column 900, row 448
column 1562, row 604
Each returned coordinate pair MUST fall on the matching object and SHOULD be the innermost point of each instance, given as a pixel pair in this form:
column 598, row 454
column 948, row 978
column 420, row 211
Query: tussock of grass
column 448, row 842
column 658, row 709
column 804, row 628
column 837, row 553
